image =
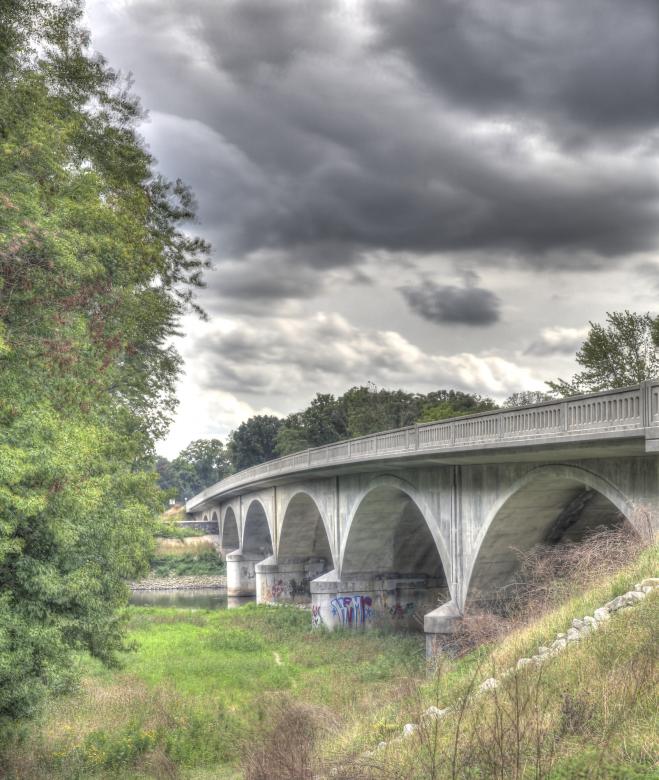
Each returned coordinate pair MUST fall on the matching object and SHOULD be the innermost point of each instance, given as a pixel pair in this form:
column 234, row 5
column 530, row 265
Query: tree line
column 621, row 352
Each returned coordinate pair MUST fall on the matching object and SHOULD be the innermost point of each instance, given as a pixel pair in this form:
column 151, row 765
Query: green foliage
column 621, row 353
column 166, row 530
column 95, row 272
column 200, row 562
column 367, row 409
column 202, row 463
column 254, row 441
column 526, row 398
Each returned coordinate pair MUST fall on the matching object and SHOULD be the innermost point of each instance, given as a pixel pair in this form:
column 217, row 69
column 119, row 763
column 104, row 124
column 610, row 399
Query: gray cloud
column 465, row 305
column 590, row 65
column 303, row 132
column 557, row 341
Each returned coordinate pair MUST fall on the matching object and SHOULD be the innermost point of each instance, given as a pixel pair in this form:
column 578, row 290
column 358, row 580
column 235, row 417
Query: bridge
column 424, row 521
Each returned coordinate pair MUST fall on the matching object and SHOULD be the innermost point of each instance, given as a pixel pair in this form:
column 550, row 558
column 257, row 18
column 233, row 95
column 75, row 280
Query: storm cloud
column 465, row 305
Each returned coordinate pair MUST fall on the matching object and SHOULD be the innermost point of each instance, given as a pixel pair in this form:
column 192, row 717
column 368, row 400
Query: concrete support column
column 368, row 599
column 286, row 582
column 241, row 577
column 439, row 626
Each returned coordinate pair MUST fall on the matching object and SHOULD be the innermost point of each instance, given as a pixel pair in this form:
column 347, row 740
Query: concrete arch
column 387, row 492
column 257, row 536
column 215, row 519
column 304, row 530
column 229, row 533
column 548, row 504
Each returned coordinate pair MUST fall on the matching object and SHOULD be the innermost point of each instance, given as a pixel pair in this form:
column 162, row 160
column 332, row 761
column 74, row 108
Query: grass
column 199, row 685
column 178, row 560
column 254, row 693
column 169, row 530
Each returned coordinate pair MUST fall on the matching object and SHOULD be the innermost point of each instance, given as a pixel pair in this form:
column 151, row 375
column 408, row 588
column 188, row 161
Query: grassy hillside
column 253, row 692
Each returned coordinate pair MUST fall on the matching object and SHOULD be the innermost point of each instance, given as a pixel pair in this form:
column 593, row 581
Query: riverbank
column 188, row 582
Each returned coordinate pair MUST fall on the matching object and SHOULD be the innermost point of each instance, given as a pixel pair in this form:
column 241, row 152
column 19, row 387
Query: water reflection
column 198, row 598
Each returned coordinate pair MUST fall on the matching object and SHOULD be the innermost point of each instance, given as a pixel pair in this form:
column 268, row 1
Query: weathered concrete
column 413, row 525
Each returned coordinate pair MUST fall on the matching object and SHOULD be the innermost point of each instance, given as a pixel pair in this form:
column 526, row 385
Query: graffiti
column 398, row 611
column 301, row 588
column 274, row 591
column 352, row 610
column 316, row 617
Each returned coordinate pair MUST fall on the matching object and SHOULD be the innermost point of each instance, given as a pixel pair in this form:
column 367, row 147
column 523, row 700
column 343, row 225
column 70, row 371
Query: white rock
column 590, row 621
column 617, row 603
column 601, row 614
column 436, row 712
column 635, row 595
column 559, row 644
column 561, row 636
column 382, row 745
column 651, row 582
column 409, row 729
column 524, row 662
column 578, row 624
column 647, row 588
column 573, row 635
column 489, row 684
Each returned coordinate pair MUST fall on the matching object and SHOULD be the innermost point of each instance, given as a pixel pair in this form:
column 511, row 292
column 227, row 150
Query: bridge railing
column 609, row 411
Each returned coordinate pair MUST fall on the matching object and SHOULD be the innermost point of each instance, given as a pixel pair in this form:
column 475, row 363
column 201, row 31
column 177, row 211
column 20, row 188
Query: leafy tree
column 443, row 404
column 95, row 272
column 322, row 422
column 526, row 398
column 202, row 463
column 369, row 410
column 254, row 441
column 623, row 352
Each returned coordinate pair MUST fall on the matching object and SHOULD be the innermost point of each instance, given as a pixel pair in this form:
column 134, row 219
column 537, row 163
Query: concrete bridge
column 418, row 523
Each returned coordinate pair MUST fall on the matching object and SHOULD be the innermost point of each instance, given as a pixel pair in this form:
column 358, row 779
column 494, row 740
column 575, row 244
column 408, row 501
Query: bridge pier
column 374, row 599
column 287, row 582
column 241, row 575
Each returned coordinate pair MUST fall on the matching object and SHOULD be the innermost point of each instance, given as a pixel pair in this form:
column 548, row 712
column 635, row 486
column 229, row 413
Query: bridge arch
column 392, row 529
column 304, row 531
column 550, row 504
column 229, row 535
column 215, row 519
column 257, row 538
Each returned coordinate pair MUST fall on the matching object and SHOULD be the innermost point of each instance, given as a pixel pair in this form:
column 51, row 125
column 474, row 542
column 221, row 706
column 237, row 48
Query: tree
column 254, row 441
column 202, row 463
column 621, row 353
column 95, row 273
column 322, row 422
column 526, row 398
column 443, row 404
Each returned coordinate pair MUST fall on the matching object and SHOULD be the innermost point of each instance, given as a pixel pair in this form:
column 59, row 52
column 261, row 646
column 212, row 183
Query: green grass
column 201, row 560
column 198, row 685
column 169, row 530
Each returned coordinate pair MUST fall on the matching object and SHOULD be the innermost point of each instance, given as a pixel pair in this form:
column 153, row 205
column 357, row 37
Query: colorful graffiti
column 352, row 610
column 316, row 617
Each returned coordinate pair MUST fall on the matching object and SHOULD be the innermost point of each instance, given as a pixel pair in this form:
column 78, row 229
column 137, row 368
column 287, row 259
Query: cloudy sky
column 421, row 194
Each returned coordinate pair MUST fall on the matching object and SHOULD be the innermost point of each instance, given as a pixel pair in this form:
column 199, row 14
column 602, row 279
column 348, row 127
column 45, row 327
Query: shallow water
column 198, row 598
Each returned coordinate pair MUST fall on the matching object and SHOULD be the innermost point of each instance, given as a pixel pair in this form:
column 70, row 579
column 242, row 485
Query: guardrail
column 631, row 408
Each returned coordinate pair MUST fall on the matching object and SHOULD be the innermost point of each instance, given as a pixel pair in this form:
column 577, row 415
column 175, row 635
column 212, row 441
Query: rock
column 524, row 662
column 559, row 644
column 590, row 621
column 435, row 712
column 649, row 582
column 601, row 614
column 617, row 603
column 578, row 624
column 561, row 636
column 573, row 635
column 635, row 595
column 409, row 729
column 542, row 650
column 382, row 745
column 647, row 588
column 489, row 684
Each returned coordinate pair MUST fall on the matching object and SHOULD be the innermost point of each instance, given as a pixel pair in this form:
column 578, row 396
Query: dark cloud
column 441, row 127
column 591, row 63
column 464, row 305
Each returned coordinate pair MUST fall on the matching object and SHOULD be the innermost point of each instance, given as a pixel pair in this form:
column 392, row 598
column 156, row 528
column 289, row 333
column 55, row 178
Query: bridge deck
column 629, row 413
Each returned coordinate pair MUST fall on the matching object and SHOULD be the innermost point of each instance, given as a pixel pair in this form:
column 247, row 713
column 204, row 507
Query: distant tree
column 254, row 441
column 623, row 352
column 526, row 398
column 369, row 409
column 322, row 422
column 202, row 463
column 443, row 404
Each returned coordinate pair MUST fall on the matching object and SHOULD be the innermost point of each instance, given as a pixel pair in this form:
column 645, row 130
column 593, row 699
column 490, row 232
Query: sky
column 424, row 195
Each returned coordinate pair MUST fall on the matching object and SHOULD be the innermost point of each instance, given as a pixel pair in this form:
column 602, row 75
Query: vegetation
column 202, row 463
column 95, row 272
column 196, row 559
column 621, row 353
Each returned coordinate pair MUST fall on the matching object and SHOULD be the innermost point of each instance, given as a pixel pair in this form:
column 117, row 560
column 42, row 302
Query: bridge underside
column 416, row 546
